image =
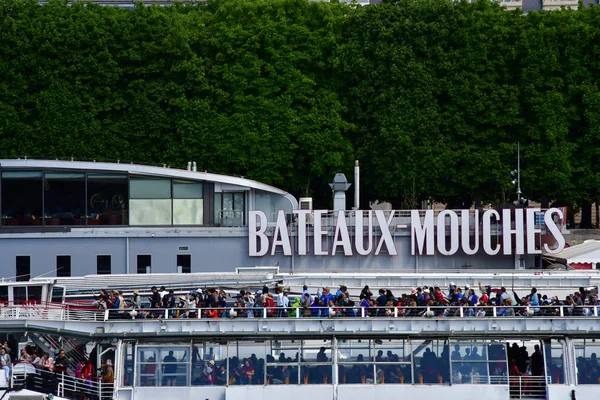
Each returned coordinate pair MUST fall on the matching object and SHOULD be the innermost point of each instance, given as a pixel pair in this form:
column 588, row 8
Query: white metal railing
column 527, row 386
column 61, row 312
column 50, row 311
column 356, row 312
column 39, row 379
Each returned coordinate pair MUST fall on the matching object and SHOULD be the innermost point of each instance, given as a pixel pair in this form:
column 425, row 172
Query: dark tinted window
column 34, row 293
column 63, row 266
column 103, row 265
column 184, row 263
column 3, row 294
column 144, row 264
column 19, row 294
column 57, row 294
column 23, row 268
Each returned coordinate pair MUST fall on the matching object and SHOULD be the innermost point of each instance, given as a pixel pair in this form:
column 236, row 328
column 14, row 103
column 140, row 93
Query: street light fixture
column 516, row 174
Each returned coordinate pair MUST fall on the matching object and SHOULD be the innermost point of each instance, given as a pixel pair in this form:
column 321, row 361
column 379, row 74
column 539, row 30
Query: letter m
column 422, row 233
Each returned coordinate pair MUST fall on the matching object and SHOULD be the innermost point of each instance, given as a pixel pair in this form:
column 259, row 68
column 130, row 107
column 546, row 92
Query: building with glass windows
column 67, row 218
column 70, row 218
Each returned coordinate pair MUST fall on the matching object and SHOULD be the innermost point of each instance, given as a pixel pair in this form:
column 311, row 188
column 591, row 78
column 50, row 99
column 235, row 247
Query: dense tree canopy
column 431, row 95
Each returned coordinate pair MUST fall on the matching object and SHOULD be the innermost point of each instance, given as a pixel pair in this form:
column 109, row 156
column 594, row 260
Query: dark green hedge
column 431, row 95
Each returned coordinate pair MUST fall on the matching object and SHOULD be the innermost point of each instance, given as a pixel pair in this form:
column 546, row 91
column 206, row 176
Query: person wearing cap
column 256, row 308
column 208, row 373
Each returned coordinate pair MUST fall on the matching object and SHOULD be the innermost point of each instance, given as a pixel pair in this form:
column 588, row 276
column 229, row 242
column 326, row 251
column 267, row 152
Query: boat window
column 63, row 266
column 271, row 203
column 555, row 365
column 209, row 364
column 355, row 359
column 144, row 264
column 316, row 362
column 22, row 193
column 282, row 362
column 64, row 198
column 34, row 293
column 478, row 362
column 431, row 361
column 586, row 354
column 57, row 294
column 108, row 199
column 231, row 208
column 163, row 366
column 19, row 294
column 247, row 360
column 103, row 266
column 184, row 263
column 23, row 271
column 150, row 201
column 188, row 203
column 128, row 363
column 3, row 294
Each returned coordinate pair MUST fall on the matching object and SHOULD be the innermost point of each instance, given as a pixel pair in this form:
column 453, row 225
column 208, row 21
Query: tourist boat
column 367, row 352
column 71, row 228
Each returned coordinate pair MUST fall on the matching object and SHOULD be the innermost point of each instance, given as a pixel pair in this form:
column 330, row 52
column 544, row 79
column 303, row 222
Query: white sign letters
column 509, row 232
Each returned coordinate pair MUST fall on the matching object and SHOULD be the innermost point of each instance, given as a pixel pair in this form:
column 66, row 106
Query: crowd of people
column 484, row 364
column 426, row 301
column 51, row 370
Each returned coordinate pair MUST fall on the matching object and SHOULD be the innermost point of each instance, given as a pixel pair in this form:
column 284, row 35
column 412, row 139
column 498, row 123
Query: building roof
column 147, row 171
column 586, row 252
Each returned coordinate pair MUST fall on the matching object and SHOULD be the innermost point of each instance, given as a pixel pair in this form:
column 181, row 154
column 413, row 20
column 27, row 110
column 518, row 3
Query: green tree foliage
column 432, row 96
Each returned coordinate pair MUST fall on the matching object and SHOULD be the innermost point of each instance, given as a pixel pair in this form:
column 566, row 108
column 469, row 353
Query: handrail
column 63, row 312
column 355, row 311
column 65, row 383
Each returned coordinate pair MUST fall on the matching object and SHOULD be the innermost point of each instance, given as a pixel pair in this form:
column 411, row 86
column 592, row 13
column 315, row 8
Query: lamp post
column 517, row 174
column 519, row 264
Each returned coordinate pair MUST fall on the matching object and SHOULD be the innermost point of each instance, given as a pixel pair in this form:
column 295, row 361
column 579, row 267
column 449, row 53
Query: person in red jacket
column 270, row 305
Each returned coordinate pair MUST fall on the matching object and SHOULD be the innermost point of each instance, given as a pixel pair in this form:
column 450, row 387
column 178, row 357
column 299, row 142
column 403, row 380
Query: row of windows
column 103, row 265
column 357, row 361
column 87, row 198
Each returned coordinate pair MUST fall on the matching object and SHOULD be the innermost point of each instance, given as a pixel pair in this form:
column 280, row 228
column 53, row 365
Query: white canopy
column 586, row 252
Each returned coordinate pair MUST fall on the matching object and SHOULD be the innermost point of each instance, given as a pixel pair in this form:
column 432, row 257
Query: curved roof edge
column 148, row 171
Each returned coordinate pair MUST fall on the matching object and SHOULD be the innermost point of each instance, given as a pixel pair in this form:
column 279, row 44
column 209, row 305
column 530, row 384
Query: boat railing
column 526, row 386
column 25, row 375
column 50, row 311
column 355, row 312
column 67, row 312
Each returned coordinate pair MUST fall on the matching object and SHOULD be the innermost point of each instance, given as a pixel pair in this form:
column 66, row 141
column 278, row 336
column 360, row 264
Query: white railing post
column 166, row 313
column 264, row 312
column 395, row 312
column 297, row 312
column 362, row 312
column 562, row 311
column 106, row 314
column 460, row 312
column 494, row 313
